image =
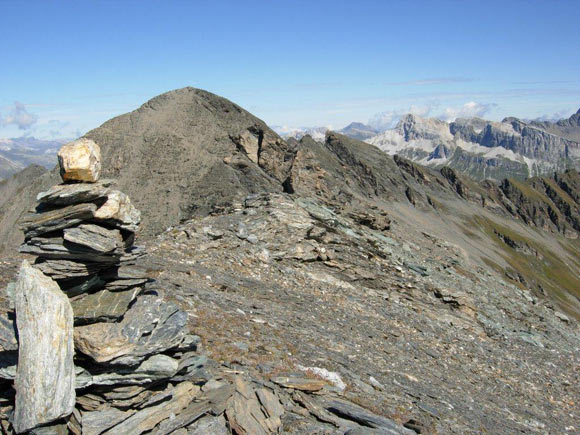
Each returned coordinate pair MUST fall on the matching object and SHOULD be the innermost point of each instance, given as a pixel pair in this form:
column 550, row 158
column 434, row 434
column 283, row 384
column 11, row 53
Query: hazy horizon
column 70, row 66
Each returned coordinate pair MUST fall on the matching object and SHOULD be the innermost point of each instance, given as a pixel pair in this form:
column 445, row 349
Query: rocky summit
column 213, row 278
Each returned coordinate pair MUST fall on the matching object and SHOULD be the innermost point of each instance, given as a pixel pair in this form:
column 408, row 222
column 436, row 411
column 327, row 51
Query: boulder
column 80, row 161
column 45, row 378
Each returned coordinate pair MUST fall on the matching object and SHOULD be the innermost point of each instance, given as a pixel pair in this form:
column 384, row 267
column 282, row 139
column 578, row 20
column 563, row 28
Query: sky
column 68, row 66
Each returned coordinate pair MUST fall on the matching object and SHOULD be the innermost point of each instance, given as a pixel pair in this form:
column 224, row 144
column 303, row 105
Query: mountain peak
column 358, row 130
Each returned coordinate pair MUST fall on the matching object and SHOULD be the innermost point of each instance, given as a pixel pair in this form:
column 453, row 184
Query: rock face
column 45, row 379
column 80, row 161
column 485, row 149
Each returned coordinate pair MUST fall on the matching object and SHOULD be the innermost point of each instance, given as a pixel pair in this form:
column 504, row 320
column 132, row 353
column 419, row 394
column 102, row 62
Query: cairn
column 94, row 339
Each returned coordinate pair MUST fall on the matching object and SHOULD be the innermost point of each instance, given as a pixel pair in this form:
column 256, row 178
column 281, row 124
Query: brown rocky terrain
column 366, row 293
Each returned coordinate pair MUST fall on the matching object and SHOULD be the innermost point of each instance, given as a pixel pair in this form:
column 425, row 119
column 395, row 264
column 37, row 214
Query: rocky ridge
column 136, row 368
column 360, row 290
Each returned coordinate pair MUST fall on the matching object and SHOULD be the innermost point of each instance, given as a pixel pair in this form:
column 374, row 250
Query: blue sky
column 66, row 67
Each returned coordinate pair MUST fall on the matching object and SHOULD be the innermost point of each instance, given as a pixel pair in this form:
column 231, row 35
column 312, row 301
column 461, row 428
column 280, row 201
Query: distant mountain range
column 486, row 149
column 479, row 148
column 17, row 154
column 355, row 130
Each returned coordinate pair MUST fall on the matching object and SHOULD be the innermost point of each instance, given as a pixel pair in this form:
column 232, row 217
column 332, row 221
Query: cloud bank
column 468, row 110
column 19, row 117
column 388, row 119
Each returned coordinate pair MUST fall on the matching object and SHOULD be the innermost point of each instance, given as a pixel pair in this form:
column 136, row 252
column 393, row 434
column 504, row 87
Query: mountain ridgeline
column 484, row 149
column 191, row 153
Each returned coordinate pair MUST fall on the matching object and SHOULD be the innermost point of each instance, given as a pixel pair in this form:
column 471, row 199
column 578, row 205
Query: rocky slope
column 484, row 149
column 360, row 290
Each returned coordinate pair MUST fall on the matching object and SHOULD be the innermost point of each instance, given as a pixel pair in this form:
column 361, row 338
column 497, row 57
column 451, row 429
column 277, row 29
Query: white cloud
column 468, row 110
column 388, row 119
column 555, row 116
column 20, row 117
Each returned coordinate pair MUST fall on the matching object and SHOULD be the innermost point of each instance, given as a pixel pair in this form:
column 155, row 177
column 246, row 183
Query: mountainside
column 362, row 288
column 182, row 153
column 484, row 149
column 16, row 154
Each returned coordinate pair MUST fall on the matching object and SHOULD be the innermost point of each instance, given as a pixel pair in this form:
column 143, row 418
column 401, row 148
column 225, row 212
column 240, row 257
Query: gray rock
column 245, row 415
column 8, row 339
column 45, row 378
column 67, row 194
column 150, row 326
column 209, row 425
column 194, row 411
column 155, row 368
column 350, row 411
column 146, row 419
column 52, row 429
column 270, row 402
column 76, row 287
column 192, row 367
column 94, row 237
column 67, row 269
column 58, row 248
column 103, row 305
column 96, row 422
column 35, row 224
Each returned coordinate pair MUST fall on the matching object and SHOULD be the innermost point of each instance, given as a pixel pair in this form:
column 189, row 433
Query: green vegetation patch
column 556, row 275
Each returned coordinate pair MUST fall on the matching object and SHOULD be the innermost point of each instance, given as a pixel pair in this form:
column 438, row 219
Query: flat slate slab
column 67, row 194
column 35, row 224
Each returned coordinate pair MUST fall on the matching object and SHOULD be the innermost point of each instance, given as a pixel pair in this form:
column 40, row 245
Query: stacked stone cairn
column 90, row 340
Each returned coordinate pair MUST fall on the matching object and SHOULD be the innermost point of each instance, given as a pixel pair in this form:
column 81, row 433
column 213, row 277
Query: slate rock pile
column 85, row 316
